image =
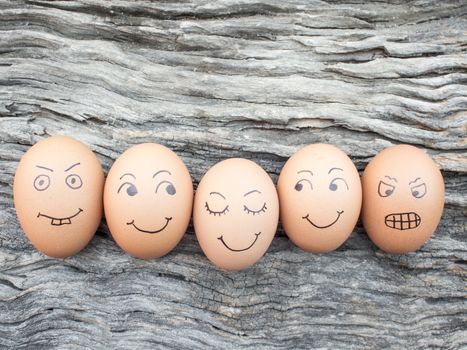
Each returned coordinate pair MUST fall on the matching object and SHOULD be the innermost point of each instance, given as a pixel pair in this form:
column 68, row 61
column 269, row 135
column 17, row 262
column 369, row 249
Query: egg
column 148, row 199
column 57, row 193
column 235, row 213
column 403, row 198
column 320, row 197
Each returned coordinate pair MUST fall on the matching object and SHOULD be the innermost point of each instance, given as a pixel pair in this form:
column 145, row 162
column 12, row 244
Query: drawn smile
column 307, row 218
column 221, row 238
column 60, row 221
column 403, row 221
column 132, row 222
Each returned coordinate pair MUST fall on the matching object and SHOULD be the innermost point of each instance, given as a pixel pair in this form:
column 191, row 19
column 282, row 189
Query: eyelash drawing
column 216, row 213
column 254, row 212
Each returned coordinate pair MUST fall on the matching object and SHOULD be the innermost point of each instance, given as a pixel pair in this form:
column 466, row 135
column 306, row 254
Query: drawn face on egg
column 148, row 199
column 403, row 198
column 58, row 195
column 320, row 197
column 235, row 213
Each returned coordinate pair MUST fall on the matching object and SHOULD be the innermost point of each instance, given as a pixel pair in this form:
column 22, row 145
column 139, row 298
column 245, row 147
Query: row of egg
column 148, row 201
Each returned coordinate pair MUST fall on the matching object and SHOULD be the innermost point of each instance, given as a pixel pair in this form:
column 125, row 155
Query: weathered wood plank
column 217, row 79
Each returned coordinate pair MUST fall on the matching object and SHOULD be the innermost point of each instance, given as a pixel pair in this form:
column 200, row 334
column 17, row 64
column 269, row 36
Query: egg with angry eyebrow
column 320, row 197
column 148, row 198
column 235, row 213
column 403, row 198
column 58, row 195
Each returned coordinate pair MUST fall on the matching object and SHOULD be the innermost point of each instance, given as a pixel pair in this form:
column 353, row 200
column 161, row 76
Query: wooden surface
column 218, row 79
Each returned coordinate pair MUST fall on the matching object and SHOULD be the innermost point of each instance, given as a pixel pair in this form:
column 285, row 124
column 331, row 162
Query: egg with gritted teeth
column 320, row 197
column 148, row 198
column 403, row 198
column 235, row 214
column 58, row 195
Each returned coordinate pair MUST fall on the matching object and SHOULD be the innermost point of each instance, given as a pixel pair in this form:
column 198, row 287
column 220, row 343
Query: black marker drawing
column 307, row 218
column 221, row 238
column 299, row 185
column 45, row 168
column 418, row 191
column 167, row 220
column 128, row 174
column 72, row 166
column 333, row 169
column 254, row 212
column 213, row 212
column 333, row 185
column 385, row 189
column 42, row 182
column 305, row 171
column 74, row 181
column 218, row 193
column 403, row 221
column 161, row 172
column 60, row 221
column 131, row 189
column 170, row 189
column 251, row 192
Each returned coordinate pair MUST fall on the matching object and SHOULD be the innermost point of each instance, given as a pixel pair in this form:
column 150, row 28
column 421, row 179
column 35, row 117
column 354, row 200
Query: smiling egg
column 320, row 197
column 403, row 198
column 58, row 195
column 148, row 198
column 235, row 214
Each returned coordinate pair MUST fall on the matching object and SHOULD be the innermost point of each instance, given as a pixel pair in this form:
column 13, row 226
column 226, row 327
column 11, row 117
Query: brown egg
column 403, row 198
column 235, row 214
column 148, row 198
column 58, row 195
column 320, row 197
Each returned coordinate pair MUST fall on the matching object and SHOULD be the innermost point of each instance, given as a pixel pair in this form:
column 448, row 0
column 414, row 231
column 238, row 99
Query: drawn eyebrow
column 219, row 194
column 411, row 182
column 161, row 171
column 334, row 169
column 72, row 166
column 391, row 178
column 305, row 171
column 43, row 167
column 250, row 192
column 128, row 174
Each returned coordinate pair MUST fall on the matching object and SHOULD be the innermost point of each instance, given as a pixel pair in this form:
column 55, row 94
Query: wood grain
column 219, row 79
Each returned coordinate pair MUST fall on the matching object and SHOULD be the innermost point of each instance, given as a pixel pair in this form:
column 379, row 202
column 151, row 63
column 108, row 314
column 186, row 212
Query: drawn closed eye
column 170, row 189
column 384, row 189
column 216, row 213
column 131, row 189
column 41, row 182
column 418, row 191
column 299, row 185
column 334, row 184
column 74, row 181
column 254, row 212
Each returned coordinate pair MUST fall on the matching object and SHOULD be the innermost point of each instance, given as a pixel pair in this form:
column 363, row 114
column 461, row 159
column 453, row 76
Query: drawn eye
column 299, row 185
column 73, row 181
column 254, row 212
column 334, row 184
column 170, row 189
column 384, row 189
column 131, row 189
column 419, row 190
column 216, row 213
column 41, row 182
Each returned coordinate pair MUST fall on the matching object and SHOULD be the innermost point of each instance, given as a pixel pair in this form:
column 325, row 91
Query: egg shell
column 403, row 198
column 148, row 200
column 320, row 197
column 235, row 214
column 57, row 193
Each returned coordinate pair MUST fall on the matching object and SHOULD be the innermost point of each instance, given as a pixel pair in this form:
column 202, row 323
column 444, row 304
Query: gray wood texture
column 218, row 79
